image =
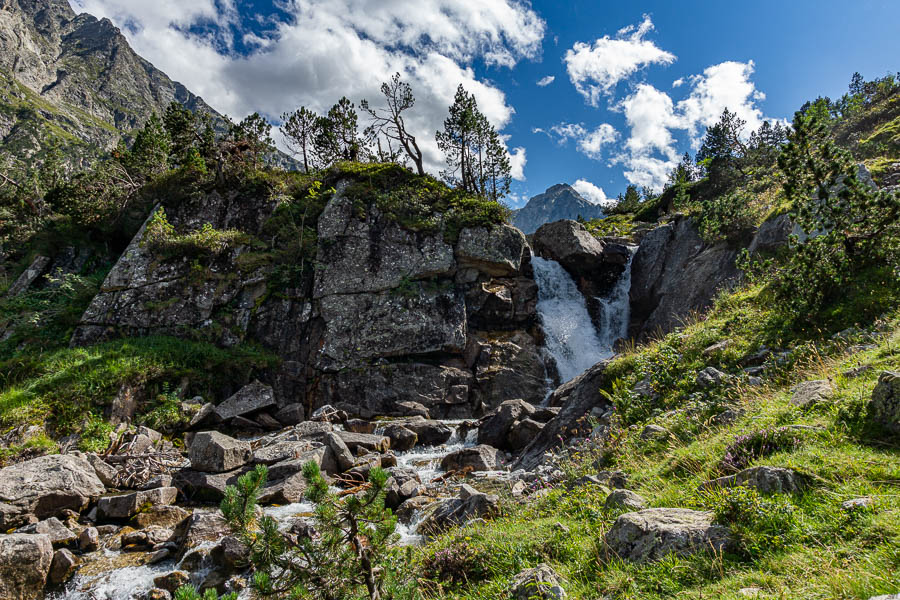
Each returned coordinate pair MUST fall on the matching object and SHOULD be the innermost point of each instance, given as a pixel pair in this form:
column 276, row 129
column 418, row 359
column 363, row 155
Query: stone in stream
column 59, row 534
column 494, row 428
column 128, row 505
column 62, row 566
column 89, row 540
column 359, row 426
column 215, row 452
column 45, row 487
column 401, row 437
column 280, row 451
column 24, row 565
column 429, row 432
column 342, row 455
column 161, row 516
column 478, row 458
column 470, row 504
column 368, row 442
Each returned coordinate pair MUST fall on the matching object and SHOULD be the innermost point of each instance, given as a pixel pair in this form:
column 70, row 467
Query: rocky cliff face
column 391, row 322
column 75, row 79
column 559, row 202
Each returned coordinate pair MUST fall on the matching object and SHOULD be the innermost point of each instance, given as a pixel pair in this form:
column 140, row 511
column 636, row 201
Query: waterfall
column 571, row 338
column 615, row 309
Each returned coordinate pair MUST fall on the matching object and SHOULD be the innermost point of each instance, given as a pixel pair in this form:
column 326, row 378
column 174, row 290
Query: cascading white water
column 615, row 310
column 571, row 338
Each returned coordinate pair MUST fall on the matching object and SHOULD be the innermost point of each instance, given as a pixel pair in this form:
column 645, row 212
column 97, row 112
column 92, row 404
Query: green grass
column 63, row 388
column 792, row 546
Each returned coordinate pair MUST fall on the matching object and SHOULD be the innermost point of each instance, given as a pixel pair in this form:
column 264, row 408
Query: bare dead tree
column 388, row 121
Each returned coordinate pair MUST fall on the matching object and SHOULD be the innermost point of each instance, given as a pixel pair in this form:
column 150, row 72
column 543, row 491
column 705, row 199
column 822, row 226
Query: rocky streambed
column 141, row 520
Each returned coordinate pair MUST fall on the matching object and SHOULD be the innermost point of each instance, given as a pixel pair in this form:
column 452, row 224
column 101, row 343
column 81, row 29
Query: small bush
column 161, row 237
column 458, row 563
column 758, row 444
column 758, row 524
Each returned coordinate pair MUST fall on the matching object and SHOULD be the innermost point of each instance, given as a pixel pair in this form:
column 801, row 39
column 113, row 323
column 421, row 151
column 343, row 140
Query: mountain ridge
column 558, row 202
column 73, row 80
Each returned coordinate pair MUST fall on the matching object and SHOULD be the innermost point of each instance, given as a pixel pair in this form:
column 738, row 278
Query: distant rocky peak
column 560, row 201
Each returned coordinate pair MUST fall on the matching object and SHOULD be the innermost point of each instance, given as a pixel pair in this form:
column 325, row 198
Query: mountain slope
column 75, row 80
column 560, row 201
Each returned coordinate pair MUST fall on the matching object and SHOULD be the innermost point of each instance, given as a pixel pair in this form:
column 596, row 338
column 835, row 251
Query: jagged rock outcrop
column 558, row 202
column 89, row 81
column 578, row 398
column 674, row 272
column 391, row 322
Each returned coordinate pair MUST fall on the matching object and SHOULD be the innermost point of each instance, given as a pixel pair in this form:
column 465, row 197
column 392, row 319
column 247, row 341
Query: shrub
column 460, row 562
column 758, row 524
column 161, row 237
column 758, row 444
column 725, row 216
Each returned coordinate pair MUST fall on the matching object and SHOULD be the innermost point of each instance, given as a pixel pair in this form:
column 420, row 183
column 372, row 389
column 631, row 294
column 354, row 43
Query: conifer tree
column 300, row 129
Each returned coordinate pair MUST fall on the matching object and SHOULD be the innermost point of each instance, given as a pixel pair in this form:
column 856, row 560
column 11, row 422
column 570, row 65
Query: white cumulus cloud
column 591, row 143
column 545, row 81
column 325, row 49
column 595, row 69
column 592, row 193
column 653, row 118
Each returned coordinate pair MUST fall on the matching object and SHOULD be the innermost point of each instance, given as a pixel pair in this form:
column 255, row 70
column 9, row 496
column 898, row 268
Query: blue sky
column 610, row 115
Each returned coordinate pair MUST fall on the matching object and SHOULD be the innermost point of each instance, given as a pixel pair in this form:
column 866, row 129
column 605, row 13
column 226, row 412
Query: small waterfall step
column 572, row 340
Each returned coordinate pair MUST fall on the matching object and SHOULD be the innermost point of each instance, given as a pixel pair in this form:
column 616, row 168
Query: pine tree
column 337, row 134
column 336, row 560
column 299, row 129
column 477, row 160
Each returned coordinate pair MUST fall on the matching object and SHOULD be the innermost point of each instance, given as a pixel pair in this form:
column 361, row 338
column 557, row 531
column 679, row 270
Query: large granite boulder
column 429, row 432
column 24, row 565
column 498, row 251
column 674, row 272
column 215, row 452
column 45, row 487
column 650, row 534
column 884, row 407
column 126, row 506
column 569, row 244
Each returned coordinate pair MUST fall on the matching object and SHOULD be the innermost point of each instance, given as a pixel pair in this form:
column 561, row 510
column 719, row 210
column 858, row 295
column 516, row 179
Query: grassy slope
column 831, row 554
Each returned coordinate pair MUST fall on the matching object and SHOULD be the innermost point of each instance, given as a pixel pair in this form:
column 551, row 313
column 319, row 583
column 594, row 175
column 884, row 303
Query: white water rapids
column 571, row 338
